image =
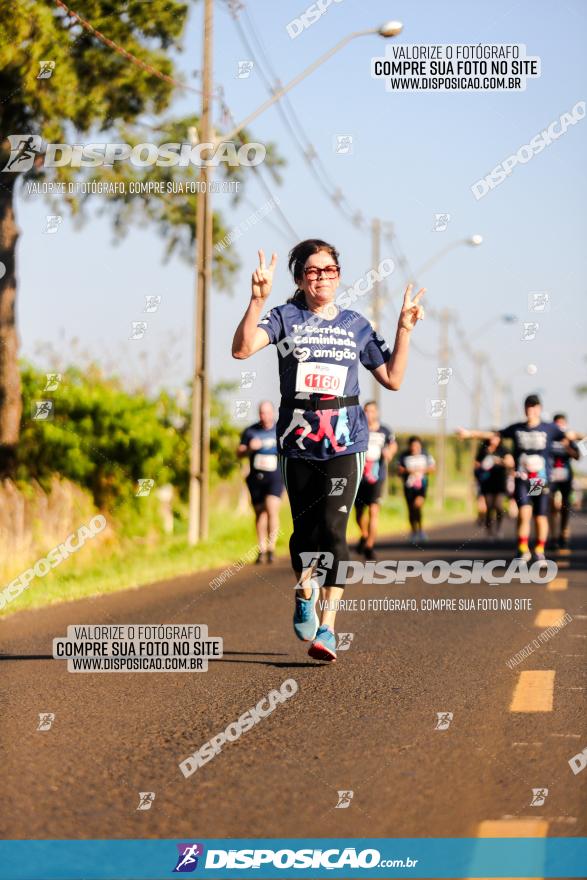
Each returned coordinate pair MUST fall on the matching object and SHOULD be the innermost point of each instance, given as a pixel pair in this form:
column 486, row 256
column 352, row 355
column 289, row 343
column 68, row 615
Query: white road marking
column 534, row 691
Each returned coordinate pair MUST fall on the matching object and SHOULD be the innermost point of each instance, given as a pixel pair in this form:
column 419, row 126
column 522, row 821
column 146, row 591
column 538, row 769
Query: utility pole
column 443, row 361
column 200, row 427
column 375, row 260
column 498, row 389
column 480, row 360
column 512, row 406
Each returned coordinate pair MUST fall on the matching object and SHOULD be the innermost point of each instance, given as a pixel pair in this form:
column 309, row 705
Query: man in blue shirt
column 264, row 481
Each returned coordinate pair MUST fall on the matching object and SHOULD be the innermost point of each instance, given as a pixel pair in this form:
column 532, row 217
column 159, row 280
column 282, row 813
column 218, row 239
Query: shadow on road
column 26, row 657
column 224, row 659
column 276, row 663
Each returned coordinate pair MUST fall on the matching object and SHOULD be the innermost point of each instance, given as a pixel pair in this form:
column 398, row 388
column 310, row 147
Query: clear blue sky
column 414, row 154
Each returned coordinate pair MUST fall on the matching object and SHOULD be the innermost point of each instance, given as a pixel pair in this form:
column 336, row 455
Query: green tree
column 93, row 89
column 172, row 214
column 106, row 438
column 100, row 436
column 224, row 435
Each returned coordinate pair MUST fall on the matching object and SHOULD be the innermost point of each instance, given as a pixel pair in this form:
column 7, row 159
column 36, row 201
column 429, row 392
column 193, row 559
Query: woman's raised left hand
column 412, row 311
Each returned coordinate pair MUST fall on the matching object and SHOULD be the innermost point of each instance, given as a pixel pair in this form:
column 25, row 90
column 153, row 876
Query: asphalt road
column 365, row 724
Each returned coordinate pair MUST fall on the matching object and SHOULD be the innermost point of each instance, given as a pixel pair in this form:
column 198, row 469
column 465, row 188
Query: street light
column 390, row 29
column 471, row 240
column 200, row 427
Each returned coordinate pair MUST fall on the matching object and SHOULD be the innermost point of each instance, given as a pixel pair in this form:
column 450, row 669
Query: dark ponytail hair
column 297, row 260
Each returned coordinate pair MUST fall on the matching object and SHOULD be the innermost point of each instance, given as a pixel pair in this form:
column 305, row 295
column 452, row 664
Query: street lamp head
column 476, row 240
column 390, row 29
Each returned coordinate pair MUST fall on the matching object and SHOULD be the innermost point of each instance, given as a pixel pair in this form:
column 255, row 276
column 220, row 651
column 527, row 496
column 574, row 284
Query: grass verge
column 232, row 538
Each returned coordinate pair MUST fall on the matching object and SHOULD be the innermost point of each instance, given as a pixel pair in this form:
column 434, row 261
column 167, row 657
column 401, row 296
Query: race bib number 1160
column 321, row 378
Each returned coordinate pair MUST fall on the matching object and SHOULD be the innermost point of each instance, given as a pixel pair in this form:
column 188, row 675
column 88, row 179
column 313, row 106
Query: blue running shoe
column 305, row 619
column 324, row 645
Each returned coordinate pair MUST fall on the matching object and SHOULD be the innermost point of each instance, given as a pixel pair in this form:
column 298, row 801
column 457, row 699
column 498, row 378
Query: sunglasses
column 313, row 272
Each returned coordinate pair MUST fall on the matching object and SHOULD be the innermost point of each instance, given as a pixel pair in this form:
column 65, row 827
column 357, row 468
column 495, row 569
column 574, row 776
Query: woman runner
column 414, row 465
column 320, row 344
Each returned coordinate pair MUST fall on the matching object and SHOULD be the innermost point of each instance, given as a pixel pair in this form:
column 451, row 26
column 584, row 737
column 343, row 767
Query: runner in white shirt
column 414, row 466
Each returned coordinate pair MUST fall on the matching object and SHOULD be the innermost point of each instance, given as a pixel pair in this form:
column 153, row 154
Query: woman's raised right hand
column 262, row 280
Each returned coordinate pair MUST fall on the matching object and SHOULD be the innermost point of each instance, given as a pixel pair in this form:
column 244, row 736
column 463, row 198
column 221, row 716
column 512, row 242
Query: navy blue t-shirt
column 533, row 448
column 379, row 440
column 416, row 468
column 320, row 357
column 263, row 461
column 561, row 470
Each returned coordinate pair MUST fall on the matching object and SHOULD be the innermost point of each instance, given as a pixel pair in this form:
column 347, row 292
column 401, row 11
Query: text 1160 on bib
column 321, row 378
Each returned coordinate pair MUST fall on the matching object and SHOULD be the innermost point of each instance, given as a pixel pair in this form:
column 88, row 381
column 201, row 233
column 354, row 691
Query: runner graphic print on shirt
column 297, row 422
column 322, row 359
column 342, row 427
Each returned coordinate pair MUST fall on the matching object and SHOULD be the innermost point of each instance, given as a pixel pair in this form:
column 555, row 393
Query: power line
column 293, row 125
column 219, row 96
column 125, row 53
column 267, row 219
column 266, row 187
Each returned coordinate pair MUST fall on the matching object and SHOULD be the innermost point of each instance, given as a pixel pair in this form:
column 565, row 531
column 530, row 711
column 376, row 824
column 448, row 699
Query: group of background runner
column 495, row 476
column 540, row 460
column 539, row 486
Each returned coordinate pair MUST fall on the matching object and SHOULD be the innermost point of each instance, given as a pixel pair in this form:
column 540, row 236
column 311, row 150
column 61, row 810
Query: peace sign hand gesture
column 262, row 279
column 412, row 311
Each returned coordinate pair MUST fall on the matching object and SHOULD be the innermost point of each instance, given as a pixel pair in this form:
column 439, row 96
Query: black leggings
column 494, row 502
column 414, row 513
column 565, row 489
column 321, row 496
